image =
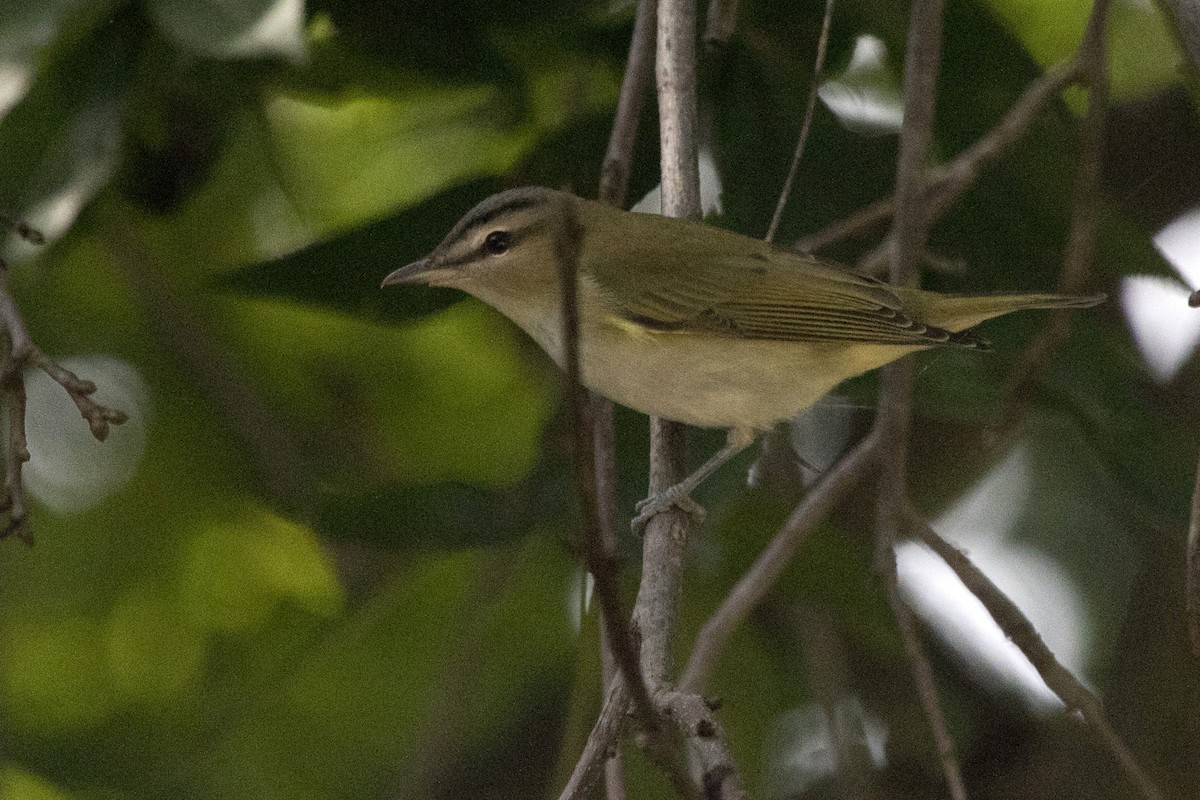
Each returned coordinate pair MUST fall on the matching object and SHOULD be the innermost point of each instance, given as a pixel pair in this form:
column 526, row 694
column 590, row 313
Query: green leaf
column 62, row 143
column 345, row 272
column 231, row 29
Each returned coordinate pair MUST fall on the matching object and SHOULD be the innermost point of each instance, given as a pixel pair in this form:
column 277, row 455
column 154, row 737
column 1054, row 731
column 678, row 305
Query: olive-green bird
column 692, row 323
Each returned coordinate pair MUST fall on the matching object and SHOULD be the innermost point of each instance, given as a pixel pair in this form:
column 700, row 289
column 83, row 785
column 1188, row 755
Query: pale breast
column 720, row 382
column 710, row 381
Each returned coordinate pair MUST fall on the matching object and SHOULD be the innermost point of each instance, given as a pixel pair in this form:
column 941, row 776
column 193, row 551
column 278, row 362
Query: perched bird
column 693, row 323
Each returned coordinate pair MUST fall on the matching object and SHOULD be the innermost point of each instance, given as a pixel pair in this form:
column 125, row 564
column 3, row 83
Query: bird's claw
column 656, row 504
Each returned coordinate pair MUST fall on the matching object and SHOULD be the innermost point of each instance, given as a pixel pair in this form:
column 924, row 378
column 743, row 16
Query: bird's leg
column 679, row 495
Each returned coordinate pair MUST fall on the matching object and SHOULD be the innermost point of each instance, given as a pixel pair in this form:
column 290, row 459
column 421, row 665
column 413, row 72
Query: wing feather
column 769, row 294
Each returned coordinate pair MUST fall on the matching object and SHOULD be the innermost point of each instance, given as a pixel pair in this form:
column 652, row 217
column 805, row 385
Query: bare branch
column 802, row 139
column 21, row 352
column 614, row 174
column 693, row 716
column 1192, row 577
column 614, row 181
column 749, row 591
column 13, row 503
column 605, row 733
column 600, row 551
column 1021, row 632
column 947, row 182
column 721, row 20
column 922, row 56
column 657, row 608
column 1085, row 208
column 918, row 662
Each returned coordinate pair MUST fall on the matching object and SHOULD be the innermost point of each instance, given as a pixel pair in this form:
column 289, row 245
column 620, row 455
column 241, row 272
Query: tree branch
column 922, row 56
column 594, row 458
column 1085, row 207
column 21, row 352
column 802, row 139
column 1192, row 577
column 605, row 735
column 947, row 182
column 657, row 608
column 1021, row 632
column 753, row 586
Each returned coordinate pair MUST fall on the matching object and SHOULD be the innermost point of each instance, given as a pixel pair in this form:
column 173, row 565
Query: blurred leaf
column 178, row 126
column 25, row 29
column 61, row 144
column 1143, row 56
column 446, row 516
column 18, row 784
column 235, row 28
column 865, row 96
column 345, row 272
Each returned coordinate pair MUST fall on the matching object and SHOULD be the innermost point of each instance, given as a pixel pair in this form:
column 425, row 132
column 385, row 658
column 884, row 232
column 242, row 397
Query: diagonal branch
column 802, row 139
column 20, row 353
column 1086, row 207
column 947, row 182
column 753, row 586
column 922, row 55
column 1020, row 631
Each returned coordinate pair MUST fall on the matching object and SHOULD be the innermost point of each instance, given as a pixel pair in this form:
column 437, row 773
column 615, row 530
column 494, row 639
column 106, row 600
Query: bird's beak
column 416, row 272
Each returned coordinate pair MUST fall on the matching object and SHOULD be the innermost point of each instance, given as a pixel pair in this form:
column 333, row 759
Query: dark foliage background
column 328, row 555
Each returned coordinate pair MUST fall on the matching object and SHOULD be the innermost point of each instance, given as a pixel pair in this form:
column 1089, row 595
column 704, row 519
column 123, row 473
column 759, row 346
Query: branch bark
column 802, row 139
column 922, row 58
column 947, row 182
column 753, row 586
column 1020, row 631
column 21, row 352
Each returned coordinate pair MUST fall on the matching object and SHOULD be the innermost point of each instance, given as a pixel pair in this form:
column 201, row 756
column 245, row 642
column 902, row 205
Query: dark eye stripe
column 483, row 219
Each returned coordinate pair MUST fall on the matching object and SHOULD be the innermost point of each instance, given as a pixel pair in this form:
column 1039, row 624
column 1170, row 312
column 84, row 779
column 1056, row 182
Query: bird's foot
column 663, row 501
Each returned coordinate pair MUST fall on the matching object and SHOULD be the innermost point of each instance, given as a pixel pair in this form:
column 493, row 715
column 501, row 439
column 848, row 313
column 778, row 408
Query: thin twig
column 614, row 182
column 1085, row 209
column 614, row 174
column 720, row 22
column 947, row 182
column 21, row 353
column 922, row 57
column 1020, row 631
column 802, row 139
column 600, row 551
column 753, row 586
column 614, row 186
column 927, row 692
column 605, row 733
column 1192, row 577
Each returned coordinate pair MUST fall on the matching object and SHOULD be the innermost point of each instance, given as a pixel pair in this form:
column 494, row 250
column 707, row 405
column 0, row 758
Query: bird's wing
column 771, row 295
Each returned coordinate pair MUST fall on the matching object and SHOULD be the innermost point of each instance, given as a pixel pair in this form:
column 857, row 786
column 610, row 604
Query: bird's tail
column 958, row 312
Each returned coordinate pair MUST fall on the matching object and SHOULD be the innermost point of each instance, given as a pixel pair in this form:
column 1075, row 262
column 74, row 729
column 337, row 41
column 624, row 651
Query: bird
column 688, row 322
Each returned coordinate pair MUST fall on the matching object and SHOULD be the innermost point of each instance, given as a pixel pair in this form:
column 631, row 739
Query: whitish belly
column 721, row 383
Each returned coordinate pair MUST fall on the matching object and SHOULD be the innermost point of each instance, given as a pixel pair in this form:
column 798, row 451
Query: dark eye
column 497, row 242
